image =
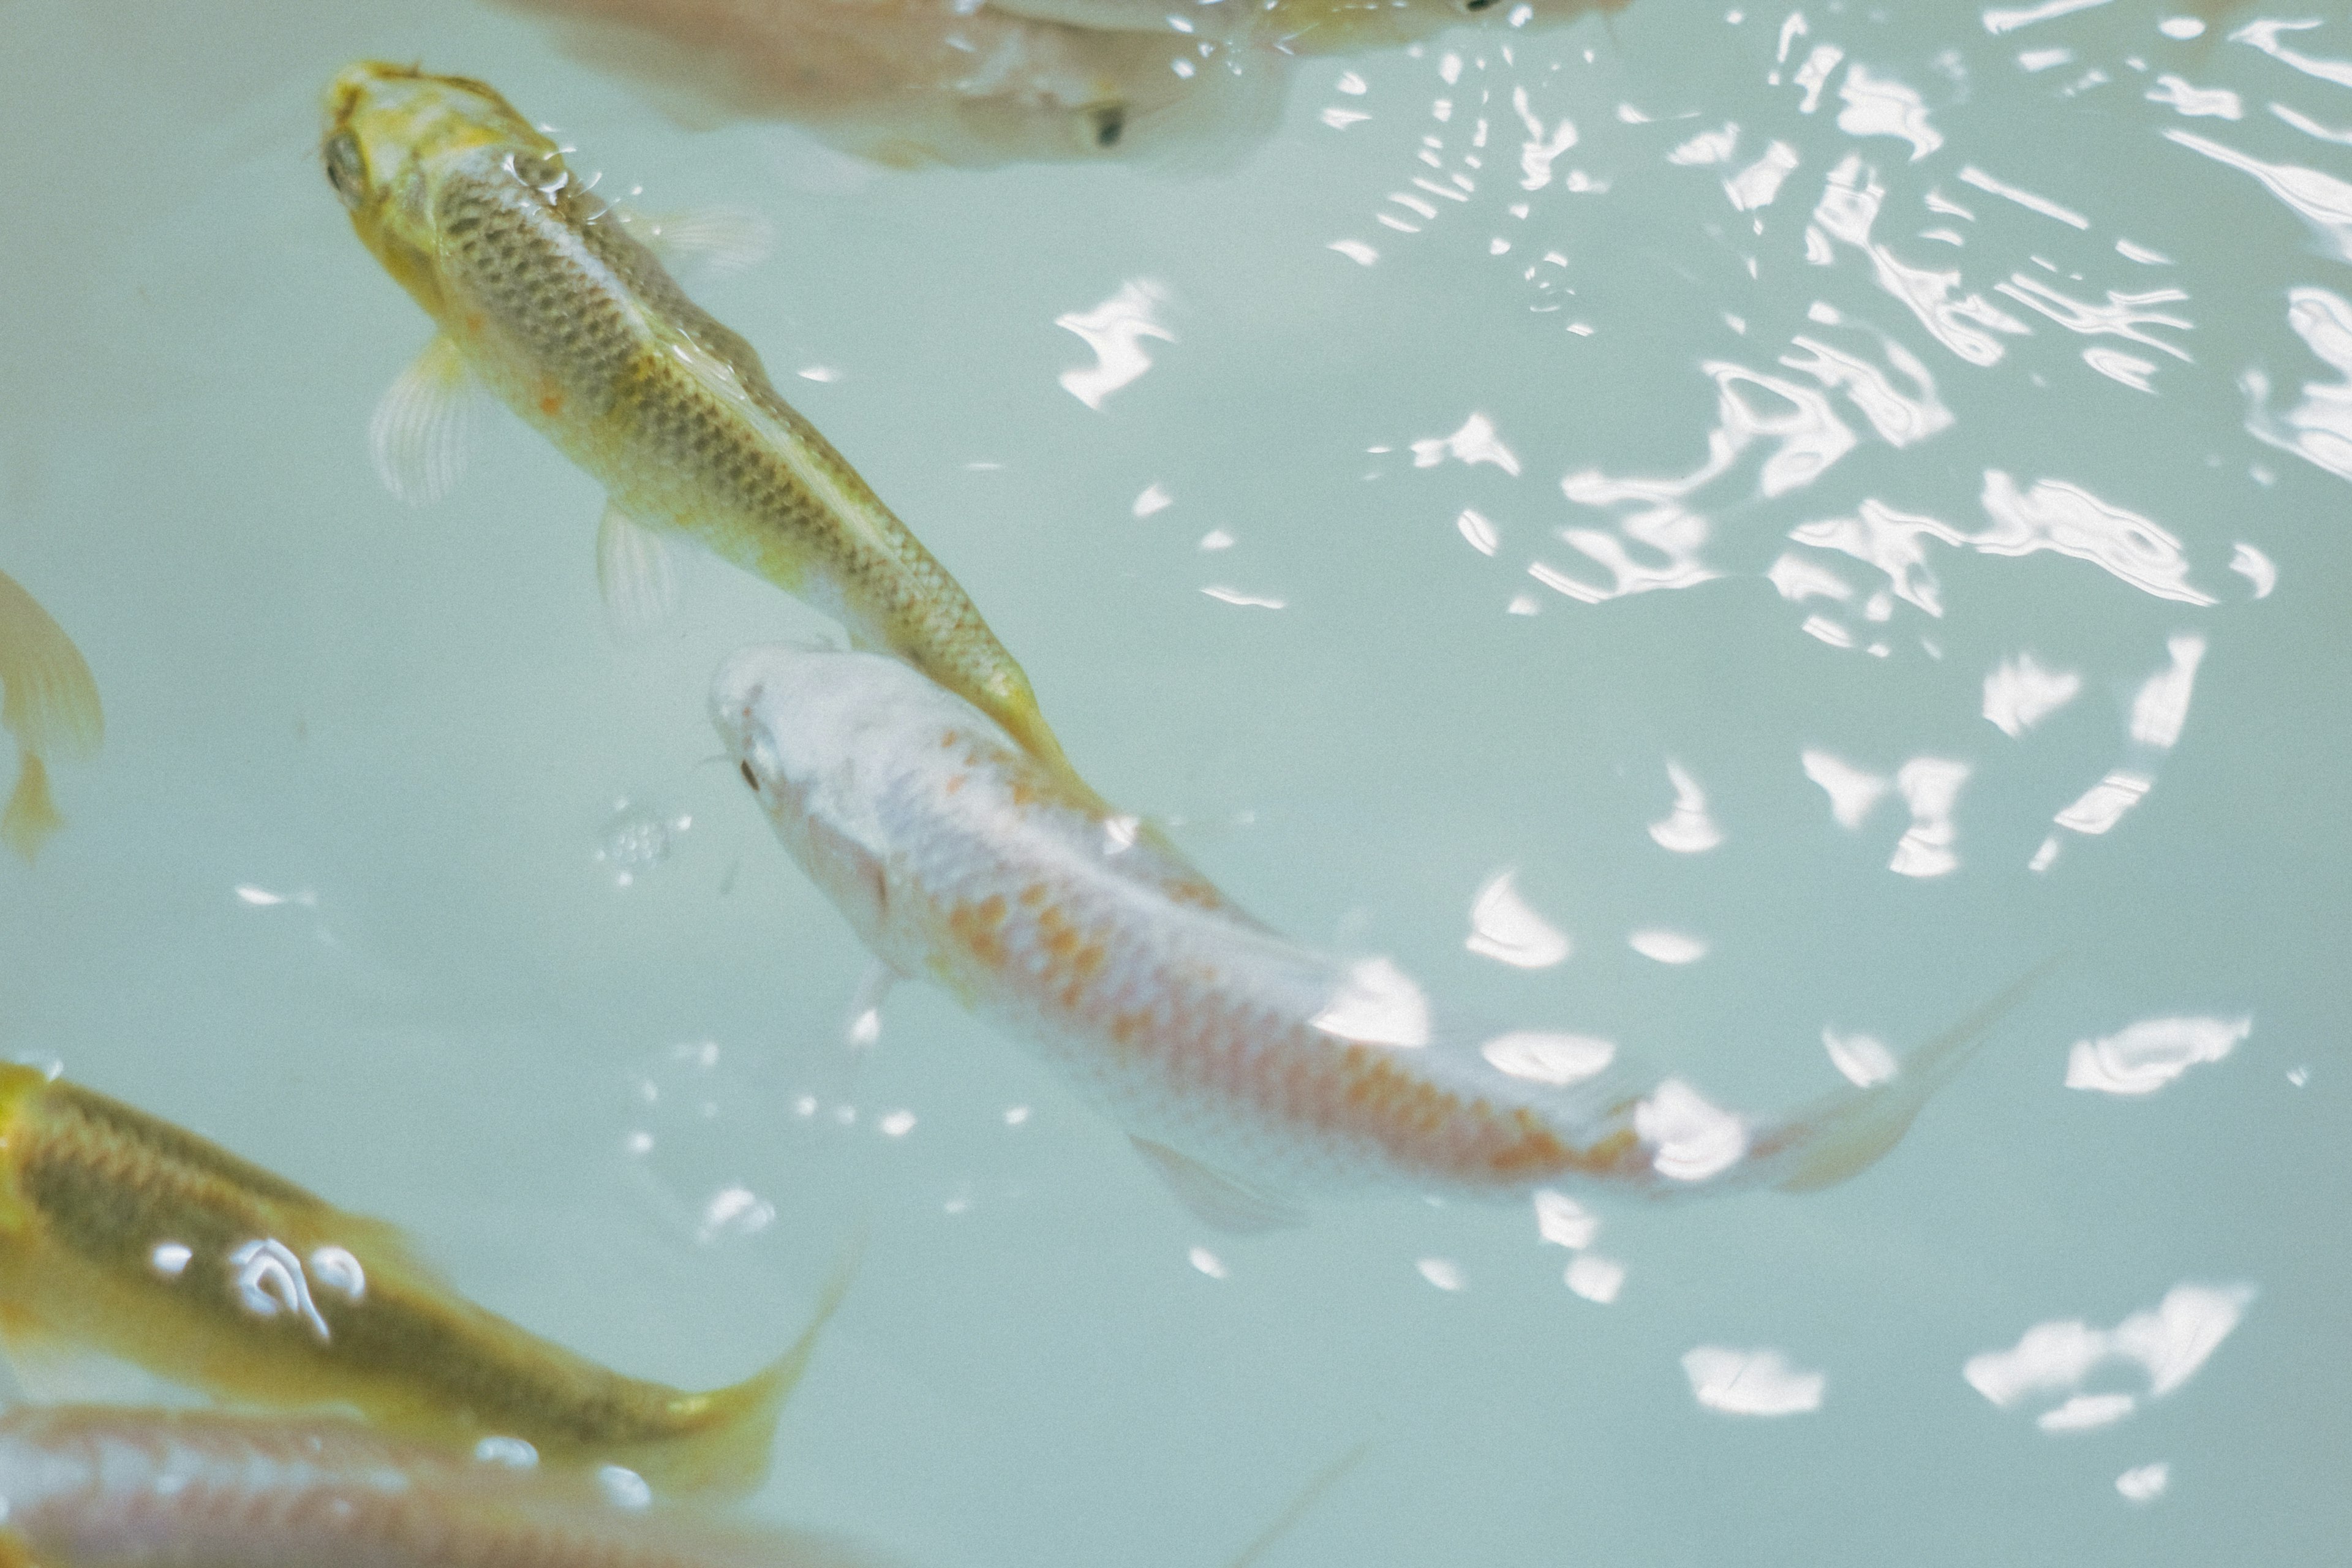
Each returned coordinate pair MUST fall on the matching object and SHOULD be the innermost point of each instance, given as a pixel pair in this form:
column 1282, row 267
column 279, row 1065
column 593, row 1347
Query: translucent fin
column 1845, row 1133
column 418, row 435
column 1308, row 1496
column 634, row 569
column 724, row 239
column 1215, row 1199
column 32, row 817
column 865, row 1027
column 48, row 1368
column 1224, row 112
column 51, row 705
column 729, row 1454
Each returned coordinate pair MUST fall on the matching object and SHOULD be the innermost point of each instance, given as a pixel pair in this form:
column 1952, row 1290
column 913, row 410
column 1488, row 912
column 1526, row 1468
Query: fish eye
column 1474, row 6
column 749, row 777
column 346, row 170
column 1111, row 123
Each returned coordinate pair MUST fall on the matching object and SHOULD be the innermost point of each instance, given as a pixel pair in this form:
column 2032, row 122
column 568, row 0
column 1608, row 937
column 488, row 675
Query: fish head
column 826, row 740
column 390, row 130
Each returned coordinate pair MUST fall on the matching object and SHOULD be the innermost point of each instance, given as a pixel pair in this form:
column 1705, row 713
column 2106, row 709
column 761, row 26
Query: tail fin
column 1843, row 1134
column 728, row 1453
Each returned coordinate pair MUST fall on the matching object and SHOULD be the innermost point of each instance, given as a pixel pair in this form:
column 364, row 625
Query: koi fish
column 909, row 83
column 94, row 1486
column 547, row 294
column 51, row 707
column 1248, row 1068
column 123, row 1234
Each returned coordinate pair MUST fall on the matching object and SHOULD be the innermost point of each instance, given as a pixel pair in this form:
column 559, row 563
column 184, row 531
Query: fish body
column 123, row 1234
column 1247, row 1066
column 92, row 1487
column 545, row 292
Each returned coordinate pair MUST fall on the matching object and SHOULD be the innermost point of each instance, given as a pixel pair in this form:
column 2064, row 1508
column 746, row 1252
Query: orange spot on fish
column 955, row 784
column 551, row 404
column 1034, row 894
column 975, row 926
column 948, row 740
column 1196, row 891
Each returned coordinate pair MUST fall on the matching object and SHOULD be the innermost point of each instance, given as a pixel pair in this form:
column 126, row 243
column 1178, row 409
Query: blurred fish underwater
column 914, row 82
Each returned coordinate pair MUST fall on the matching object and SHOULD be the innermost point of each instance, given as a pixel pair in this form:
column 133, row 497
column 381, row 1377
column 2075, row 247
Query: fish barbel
column 1247, row 1067
column 123, row 1234
column 93, row 1487
column 549, row 295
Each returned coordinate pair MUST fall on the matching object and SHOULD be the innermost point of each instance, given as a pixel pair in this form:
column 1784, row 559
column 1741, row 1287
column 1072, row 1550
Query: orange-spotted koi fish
column 93, row 1487
column 125, row 1234
column 50, row 707
column 1249, row 1069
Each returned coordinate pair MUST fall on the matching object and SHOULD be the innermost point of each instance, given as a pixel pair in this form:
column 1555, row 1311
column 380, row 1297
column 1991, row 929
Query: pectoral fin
column 31, row 816
column 418, row 435
column 634, row 571
column 48, row 1368
column 864, row 1025
column 726, row 239
column 1215, row 1199
column 51, row 705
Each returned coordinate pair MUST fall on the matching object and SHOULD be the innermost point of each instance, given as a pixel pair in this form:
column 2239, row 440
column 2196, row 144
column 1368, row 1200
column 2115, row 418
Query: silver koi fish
column 1248, row 1069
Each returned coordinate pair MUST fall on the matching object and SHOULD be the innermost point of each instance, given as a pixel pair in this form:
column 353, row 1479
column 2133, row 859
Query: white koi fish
column 1248, row 1068
column 90, row 1487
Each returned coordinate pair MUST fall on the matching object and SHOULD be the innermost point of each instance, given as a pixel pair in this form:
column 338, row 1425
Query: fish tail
column 1843, row 1134
column 726, row 1453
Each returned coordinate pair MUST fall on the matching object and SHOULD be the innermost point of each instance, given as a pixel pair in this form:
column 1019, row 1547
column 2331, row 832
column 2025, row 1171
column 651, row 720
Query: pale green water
column 412, row 727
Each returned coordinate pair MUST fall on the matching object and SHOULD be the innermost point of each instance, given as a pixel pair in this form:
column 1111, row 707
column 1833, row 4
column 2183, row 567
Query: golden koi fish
column 1248, row 1068
column 126, row 1234
column 51, row 707
column 90, row 1487
column 547, row 294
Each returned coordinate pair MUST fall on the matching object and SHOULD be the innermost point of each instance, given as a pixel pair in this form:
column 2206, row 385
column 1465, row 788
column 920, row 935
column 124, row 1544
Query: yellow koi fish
column 126, row 1234
column 51, row 707
column 547, row 293
column 1248, row 1070
column 91, row 1487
